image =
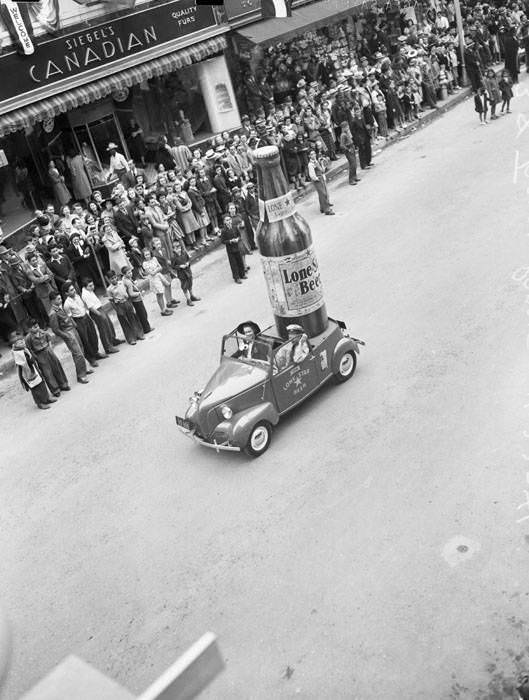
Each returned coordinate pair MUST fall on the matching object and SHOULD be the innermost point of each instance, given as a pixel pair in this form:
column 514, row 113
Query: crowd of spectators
column 332, row 91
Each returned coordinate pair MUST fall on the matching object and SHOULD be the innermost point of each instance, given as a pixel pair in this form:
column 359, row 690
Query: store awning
column 319, row 14
column 64, row 102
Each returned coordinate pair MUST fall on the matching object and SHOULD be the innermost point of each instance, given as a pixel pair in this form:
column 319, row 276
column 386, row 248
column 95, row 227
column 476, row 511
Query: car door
column 294, row 383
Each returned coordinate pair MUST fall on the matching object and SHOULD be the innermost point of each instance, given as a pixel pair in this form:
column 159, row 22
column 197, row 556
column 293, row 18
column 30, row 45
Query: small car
column 251, row 389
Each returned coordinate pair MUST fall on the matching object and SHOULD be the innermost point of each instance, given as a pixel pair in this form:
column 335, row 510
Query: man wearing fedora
column 119, row 165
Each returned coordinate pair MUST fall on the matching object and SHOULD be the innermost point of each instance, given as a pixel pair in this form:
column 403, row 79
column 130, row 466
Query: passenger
column 294, row 351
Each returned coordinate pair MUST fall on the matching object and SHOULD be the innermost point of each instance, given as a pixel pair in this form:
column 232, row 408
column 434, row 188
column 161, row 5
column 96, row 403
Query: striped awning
column 66, row 101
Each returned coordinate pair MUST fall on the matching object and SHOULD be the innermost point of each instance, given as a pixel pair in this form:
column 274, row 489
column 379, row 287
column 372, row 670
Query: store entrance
column 93, row 129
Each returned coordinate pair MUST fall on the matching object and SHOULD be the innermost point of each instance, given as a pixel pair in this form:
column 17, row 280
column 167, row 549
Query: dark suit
column 251, row 209
column 126, row 222
column 63, row 270
column 234, row 254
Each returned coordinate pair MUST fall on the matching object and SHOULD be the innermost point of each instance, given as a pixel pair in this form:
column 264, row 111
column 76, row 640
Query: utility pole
column 461, row 36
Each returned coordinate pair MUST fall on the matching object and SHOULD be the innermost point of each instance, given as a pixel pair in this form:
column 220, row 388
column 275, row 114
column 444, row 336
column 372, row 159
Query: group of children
column 490, row 93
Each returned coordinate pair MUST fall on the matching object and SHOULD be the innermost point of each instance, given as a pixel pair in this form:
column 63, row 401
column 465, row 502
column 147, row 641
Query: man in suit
column 251, row 208
column 125, row 219
column 231, row 239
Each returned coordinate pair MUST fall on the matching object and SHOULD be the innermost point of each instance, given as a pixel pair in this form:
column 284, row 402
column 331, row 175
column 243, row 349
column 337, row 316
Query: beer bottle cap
column 266, row 152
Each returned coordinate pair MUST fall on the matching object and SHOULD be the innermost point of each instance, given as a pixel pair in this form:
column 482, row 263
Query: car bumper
column 217, row 446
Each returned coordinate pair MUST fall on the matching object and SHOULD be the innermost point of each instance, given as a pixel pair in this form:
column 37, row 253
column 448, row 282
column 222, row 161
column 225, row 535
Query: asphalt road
column 375, row 550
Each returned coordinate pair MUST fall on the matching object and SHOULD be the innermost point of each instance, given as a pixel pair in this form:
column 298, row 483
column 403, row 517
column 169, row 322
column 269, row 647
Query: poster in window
column 222, row 98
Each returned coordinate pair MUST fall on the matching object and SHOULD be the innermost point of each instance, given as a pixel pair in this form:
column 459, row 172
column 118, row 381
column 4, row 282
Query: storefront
column 159, row 66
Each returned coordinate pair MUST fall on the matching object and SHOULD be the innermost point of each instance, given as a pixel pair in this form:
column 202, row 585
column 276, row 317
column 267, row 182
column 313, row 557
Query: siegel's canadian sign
column 59, row 58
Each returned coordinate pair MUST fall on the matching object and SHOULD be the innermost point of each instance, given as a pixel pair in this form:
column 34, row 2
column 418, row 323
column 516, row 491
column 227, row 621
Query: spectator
column 136, row 299
column 159, row 284
column 51, row 369
column 129, row 322
column 28, row 373
column 63, row 326
column 231, row 240
column 75, row 307
column 181, row 263
column 99, row 316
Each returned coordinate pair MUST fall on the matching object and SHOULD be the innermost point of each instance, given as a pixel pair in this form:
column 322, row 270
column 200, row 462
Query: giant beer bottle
column 285, row 243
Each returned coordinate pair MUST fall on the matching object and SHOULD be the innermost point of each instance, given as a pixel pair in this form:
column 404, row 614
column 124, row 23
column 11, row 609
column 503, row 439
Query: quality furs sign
column 34, row 65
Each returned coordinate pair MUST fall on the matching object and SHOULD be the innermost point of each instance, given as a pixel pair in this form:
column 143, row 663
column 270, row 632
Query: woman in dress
column 158, row 283
column 82, row 190
column 199, row 210
column 490, row 83
column 184, row 208
column 115, row 247
column 60, row 191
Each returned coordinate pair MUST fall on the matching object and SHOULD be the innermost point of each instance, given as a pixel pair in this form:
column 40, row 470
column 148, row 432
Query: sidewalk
column 337, row 169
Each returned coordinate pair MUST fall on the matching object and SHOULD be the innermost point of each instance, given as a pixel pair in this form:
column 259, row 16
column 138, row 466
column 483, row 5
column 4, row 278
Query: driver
column 294, row 351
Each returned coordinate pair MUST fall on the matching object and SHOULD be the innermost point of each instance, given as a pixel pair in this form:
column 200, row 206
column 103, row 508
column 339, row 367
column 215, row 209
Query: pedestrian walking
column 348, row 149
column 318, row 179
column 136, row 298
column 62, row 324
column 182, row 265
column 129, row 322
column 505, row 85
column 481, row 104
column 28, row 373
column 38, row 343
column 490, row 83
column 361, row 139
column 99, row 316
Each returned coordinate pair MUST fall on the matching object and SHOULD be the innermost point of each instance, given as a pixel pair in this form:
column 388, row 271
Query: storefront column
column 217, row 91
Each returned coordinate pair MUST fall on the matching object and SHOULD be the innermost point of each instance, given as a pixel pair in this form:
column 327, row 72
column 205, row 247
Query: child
column 481, row 102
column 505, row 85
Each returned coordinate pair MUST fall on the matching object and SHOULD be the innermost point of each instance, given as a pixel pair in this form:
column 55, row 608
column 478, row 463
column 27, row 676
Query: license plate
column 183, row 423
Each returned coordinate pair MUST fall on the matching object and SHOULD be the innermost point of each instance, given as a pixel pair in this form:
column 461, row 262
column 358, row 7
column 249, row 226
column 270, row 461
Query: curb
column 7, row 365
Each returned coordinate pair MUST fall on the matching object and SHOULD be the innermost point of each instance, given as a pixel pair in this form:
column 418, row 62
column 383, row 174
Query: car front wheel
column 259, row 439
column 346, row 366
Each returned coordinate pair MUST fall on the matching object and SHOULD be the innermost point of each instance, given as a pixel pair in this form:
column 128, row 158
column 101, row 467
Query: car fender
column 237, row 429
column 342, row 346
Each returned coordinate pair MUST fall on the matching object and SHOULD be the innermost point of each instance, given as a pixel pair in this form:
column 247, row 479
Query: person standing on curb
column 181, row 263
column 129, row 322
column 230, row 238
column 51, row 369
column 318, row 179
column 29, row 374
column 75, row 306
column 63, row 326
column 136, row 299
column 348, row 149
column 361, row 139
column 100, row 317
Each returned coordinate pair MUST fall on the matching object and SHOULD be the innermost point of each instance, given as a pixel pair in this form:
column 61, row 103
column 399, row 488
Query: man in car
column 294, row 351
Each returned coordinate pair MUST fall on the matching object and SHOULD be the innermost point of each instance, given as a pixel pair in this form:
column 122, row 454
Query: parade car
column 251, row 390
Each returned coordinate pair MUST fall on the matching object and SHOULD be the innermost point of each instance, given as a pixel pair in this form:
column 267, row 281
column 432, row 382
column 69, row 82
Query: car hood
column 230, row 379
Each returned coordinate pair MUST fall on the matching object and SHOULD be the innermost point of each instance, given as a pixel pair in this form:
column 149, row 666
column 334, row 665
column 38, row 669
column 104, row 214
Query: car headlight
column 226, row 412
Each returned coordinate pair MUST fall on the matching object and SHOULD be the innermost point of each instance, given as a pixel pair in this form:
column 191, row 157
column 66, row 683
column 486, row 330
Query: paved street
column 374, row 551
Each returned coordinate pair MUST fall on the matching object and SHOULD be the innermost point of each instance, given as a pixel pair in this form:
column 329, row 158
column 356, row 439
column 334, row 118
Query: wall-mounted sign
column 59, row 58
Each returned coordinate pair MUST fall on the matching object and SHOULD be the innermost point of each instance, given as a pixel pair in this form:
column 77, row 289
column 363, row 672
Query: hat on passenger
column 295, row 328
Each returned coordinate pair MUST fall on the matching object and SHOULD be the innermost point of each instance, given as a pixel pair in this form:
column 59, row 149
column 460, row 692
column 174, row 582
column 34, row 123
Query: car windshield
column 251, row 351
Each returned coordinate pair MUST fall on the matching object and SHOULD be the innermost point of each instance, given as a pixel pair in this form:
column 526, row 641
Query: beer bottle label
column 277, row 208
column 294, row 284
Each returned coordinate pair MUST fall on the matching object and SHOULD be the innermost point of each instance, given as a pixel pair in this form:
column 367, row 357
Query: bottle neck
column 273, row 191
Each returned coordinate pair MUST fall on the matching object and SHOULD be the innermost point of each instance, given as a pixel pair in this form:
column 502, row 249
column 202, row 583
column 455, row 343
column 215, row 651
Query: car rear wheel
column 346, row 367
column 259, row 439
